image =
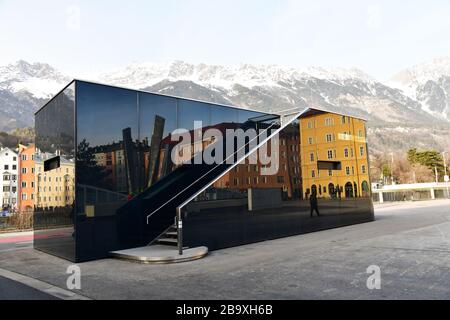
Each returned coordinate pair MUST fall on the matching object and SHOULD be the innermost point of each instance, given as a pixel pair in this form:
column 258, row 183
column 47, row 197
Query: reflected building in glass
column 114, row 166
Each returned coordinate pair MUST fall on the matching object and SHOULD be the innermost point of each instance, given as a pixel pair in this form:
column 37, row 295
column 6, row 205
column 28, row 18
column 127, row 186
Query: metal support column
column 179, row 231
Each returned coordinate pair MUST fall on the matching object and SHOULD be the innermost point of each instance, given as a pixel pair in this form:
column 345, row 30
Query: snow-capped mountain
column 24, row 87
column 38, row 79
column 273, row 88
column 429, row 84
column 145, row 75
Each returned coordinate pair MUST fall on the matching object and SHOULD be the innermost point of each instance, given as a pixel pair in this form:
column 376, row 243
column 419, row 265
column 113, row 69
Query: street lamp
column 392, row 168
column 446, row 178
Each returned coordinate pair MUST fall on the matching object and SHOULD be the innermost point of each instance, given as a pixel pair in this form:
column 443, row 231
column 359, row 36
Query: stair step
column 171, row 234
column 167, row 241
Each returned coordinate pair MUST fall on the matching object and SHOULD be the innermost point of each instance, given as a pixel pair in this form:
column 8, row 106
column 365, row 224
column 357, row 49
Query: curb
column 42, row 286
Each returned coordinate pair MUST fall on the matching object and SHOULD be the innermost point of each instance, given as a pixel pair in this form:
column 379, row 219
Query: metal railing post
column 179, row 231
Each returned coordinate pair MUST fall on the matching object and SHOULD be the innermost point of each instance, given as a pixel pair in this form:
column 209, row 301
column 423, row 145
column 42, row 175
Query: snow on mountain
column 38, row 79
column 250, row 76
column 429, row 84
column 271, row 87
column 421, row 113
column 422, row 73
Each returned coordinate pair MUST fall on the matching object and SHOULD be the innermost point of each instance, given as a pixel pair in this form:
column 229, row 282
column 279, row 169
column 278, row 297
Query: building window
column 310, row 140
column 264, row 179
column 347, row 171
column 311, row 155
column 24, row 196
column 329, row 121
column 353, row 170
column 6, row 167
column 343, row 119
column 280, row 179
column 313, row 173
column 32, row 184
column 346, row 152
column 14, row 189
column 329, row 138
column 360, row 133
column 310, row 125
column 363, row 169
column 330, row 154
column 32, row 170
column 236, row 181
column 361, row 151
column 24, row 184
column 6, row 189
column 24, row 170
column 330, row 173
column 24, row 157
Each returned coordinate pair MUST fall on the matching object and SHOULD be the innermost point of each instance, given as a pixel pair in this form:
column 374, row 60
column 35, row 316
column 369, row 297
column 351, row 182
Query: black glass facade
column 54, row 197
column 130, row 173
column 250, row 203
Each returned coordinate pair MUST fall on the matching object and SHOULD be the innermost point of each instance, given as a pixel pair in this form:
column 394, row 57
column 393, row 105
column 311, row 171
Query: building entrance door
column 349, row 190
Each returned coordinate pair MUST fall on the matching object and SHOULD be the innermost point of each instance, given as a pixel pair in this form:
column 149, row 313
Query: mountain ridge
column 24, row 87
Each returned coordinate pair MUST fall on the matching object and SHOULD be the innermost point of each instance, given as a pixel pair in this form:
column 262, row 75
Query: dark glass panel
column 247, row 205
column 108, row 138
column 221, row 115
column 192, row 111
column 55, row 185
column 152, row 212
column 110, row 163
column 245, row 115
column 158, row 119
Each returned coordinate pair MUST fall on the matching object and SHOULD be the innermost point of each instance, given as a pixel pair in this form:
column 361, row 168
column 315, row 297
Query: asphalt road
column 409, row 242
column 13, row 246
column 12, row 290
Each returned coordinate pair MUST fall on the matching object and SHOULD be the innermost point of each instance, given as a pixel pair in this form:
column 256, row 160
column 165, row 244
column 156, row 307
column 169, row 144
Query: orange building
column 288, row 178
column 26, row 177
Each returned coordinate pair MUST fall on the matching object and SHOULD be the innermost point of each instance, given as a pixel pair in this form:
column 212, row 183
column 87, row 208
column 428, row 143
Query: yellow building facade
column 55, row 188
column 334, row 155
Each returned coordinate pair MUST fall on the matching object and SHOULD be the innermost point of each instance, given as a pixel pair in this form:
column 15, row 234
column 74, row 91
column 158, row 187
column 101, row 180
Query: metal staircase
column 170, row 237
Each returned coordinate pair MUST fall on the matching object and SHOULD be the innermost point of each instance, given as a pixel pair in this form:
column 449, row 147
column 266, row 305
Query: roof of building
column 309, row 112
column 149, row 92
column 280, row 112
column 6, row 149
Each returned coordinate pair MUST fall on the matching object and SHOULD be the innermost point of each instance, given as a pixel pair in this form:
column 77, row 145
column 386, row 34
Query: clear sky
column 82, row 36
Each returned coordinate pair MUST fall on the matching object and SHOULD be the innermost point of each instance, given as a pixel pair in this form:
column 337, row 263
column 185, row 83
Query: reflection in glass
column 118, row 183
column 55, row 187
column 246, row 206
